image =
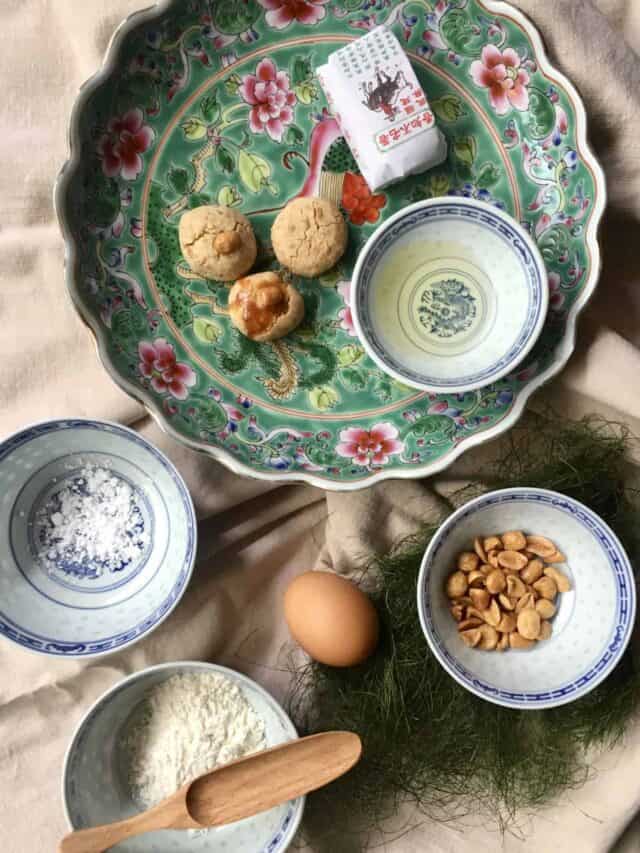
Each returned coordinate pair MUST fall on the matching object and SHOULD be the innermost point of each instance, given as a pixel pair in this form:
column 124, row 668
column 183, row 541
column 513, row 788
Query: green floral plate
column 217, row 102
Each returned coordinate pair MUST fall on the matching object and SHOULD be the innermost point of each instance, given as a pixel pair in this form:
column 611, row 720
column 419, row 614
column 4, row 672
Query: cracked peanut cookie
column 309, row 236
column 217, row 242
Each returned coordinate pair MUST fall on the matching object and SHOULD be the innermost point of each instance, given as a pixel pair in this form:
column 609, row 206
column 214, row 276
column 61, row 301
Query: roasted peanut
column 529, row 624
column 517, row 641
column 492, row 614
column 467, row 561
column 512, row 560
column 488, row 638
column 473, row 613
column 456, row 584
column 514, row 540
column 496, row 582
column 545, row 630
column 457, row 611
column 515, row 587
column 480, row 597
column 562, row 581
column 532, row 571
column 505, row 602
column 471, row 637
column 268, row 296
column 227, row 242
column 492, row 559
column 527, row 602
column 477, row 547
column 507, row 623
column 475, row 578
column 492, row 543
column 546, row 587
column 469, row 623
column 556, row 558
column 540, row 546
column 545, row 608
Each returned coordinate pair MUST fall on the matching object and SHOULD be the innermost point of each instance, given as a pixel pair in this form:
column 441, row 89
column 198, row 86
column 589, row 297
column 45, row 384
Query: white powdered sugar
column 187, row 726
column 93, row 522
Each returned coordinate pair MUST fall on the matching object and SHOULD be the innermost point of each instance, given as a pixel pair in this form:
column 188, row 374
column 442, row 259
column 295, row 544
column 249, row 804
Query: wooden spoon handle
column 99, row 838
column 168, row 814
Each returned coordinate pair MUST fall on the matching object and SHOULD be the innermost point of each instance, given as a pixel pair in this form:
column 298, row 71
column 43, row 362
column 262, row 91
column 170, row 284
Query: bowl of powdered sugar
column 160, row 728
column 100, row 537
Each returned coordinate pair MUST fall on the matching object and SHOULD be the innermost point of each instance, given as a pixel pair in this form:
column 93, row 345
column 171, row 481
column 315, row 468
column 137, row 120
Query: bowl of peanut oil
column 449, row 295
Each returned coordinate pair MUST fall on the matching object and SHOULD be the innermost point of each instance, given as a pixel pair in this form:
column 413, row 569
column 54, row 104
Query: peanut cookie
column 309, row 236
column 217, row 242
column 264, row 307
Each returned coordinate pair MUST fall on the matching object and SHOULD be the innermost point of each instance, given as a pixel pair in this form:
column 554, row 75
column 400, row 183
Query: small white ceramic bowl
column 590, row 629
column 86, row 610
column 462, row 312
column 95, row 792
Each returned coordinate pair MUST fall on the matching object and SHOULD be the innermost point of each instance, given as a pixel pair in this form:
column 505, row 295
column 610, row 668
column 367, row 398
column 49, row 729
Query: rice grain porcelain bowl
column 94, row 790
column 449, row 295
column 68, row 607
column 594, row 619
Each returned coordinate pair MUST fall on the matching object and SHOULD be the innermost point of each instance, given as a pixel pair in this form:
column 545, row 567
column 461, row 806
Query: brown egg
column 331, row 618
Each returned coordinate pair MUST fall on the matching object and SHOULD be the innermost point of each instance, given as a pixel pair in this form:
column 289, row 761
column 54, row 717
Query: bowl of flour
column 99, row 537
column 161, row 727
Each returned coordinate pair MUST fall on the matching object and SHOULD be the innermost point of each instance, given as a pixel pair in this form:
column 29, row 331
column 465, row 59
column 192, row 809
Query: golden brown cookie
column 264, row 307
column 217, row 242
column 309, row 236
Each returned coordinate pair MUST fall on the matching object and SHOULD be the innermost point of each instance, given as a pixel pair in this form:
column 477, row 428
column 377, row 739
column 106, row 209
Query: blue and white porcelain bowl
column 94, row 790
column 594, row 619
column 449, row 295
column 73, row 608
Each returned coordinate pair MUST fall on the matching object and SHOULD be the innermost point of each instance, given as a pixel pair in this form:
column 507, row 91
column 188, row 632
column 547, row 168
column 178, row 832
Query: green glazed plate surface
column 217, row 102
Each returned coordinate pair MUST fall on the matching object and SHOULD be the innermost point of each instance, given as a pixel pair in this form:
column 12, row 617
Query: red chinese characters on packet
column 382, row 110
column 397, row 133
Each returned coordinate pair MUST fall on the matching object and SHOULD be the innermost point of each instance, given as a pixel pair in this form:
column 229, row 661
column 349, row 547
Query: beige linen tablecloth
column 256, row 536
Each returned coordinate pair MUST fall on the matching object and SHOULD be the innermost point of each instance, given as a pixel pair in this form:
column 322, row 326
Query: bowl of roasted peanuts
column 526, row 597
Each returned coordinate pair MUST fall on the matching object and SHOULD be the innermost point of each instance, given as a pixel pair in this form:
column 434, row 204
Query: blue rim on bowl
column 80, row 610
column 593, row 622
column 108, row 802
column 465, row 324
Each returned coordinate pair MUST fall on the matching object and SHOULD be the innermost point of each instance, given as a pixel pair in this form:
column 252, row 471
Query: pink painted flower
column 158, row 363
column 505, row 78
column 268, row 93
column 556, row 297
column 344, row 315
column 123, row 143
column 281, row 13
column 370, row 447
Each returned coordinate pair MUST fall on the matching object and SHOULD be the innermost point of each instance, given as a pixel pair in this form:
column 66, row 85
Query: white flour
column 92, row 522
column 186, row 726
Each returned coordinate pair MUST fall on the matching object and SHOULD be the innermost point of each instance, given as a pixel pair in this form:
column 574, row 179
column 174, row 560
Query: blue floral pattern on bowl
column 447, row 308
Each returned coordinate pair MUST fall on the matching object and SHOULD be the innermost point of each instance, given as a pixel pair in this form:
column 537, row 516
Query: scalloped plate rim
column 565, row 348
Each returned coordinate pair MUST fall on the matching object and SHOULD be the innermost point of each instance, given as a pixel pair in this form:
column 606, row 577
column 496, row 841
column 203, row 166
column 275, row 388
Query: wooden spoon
column 235, row 791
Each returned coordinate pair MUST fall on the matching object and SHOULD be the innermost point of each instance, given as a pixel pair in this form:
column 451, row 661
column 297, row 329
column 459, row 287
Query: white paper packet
column 382, row 109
